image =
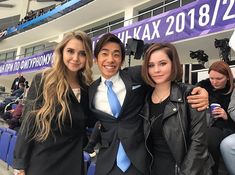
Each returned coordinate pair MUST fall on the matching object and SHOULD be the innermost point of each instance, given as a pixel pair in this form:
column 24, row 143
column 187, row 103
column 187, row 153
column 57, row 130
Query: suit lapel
column 176, row 97
column 127, row 81
column 170, row 109
column 92, row 91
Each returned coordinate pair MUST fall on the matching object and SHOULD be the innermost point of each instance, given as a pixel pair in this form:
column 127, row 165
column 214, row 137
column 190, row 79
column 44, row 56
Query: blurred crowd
column 12, row 105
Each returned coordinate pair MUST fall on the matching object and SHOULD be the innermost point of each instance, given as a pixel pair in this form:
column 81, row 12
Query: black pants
column 215, row 137
column 131, row 171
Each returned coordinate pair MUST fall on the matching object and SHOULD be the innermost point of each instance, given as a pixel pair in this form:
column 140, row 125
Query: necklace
column 158, row 99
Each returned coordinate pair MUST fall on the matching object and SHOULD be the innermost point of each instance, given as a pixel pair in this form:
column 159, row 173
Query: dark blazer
column 61, row 152
column 184, row 129
column 127, row 128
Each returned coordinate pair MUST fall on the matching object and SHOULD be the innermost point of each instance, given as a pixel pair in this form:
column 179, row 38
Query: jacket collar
column 176, row 93
column 176, row 96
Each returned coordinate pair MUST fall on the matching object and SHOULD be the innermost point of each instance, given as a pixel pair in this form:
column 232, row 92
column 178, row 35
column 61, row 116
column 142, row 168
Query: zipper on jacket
column 182, row 129
column 147, row 135
column 176, row 169
column 145, row 142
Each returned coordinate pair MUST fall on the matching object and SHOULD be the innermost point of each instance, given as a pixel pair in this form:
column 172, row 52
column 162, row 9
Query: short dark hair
column 171, row 52
column 106, row 38
column 22, row 85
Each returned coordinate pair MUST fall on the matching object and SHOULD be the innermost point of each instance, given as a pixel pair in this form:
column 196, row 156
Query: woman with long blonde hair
column 51, row 137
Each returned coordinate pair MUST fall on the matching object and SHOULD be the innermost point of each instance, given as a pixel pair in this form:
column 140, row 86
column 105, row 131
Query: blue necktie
column 123, row 161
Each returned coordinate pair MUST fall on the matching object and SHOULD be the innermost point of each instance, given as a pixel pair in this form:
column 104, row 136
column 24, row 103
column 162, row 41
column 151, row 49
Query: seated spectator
column 17, row 81
column 19, row 92
column 15, row 121
column 220, row 86
column 227, row 146
column 13, row 114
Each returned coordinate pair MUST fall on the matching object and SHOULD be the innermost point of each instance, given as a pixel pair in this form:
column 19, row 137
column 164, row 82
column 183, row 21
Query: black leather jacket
column 184, row 129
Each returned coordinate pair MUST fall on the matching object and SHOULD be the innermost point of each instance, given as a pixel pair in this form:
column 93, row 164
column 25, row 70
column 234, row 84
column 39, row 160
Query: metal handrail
column 134, row 17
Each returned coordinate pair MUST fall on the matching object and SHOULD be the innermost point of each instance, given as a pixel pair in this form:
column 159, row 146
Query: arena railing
column 60, row 10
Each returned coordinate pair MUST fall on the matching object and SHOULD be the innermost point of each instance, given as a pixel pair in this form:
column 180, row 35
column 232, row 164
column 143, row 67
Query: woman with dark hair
column 220, row 86
column 175, row 132
column 51, row 137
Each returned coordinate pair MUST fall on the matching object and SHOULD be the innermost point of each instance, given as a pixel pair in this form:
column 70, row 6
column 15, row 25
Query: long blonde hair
column 55, row 88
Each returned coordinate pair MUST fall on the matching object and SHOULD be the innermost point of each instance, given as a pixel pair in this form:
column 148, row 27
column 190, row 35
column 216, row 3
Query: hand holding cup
column 217, row 111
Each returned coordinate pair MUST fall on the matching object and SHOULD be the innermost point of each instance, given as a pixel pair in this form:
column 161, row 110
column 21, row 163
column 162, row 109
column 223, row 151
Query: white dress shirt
column 101, row 99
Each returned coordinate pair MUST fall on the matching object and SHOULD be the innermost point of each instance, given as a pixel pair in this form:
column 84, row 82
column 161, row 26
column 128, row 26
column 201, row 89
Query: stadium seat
column 4, row 145
column 86, row 156
column 1, row 131
column 11, row 150
column 87, row 161
column 91, row 169
column 11, row 131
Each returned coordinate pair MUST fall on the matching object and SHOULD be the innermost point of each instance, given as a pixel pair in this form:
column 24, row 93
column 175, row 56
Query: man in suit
column 124, row 129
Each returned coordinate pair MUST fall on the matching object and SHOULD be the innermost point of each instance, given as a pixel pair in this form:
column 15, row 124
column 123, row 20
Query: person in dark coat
column 51, row 138
column 17, row 81
column 220, row 86
column 175, row 133
column 125, row 127
column 19, row 92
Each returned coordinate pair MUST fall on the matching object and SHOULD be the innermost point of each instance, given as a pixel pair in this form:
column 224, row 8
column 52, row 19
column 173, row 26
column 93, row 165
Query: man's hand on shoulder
column 199, row 99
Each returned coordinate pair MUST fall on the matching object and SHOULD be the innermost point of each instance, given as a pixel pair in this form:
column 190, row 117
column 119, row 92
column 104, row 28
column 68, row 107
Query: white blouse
column 77, row 93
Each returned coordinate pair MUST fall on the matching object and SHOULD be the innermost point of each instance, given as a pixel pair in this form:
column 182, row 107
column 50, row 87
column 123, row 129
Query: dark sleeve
column 24, row 144
column 136, row 77
column 204, row 83
column 91, row 120
column 197, row 155
column 13, row 84
column 14, row 92
column 135, row 73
